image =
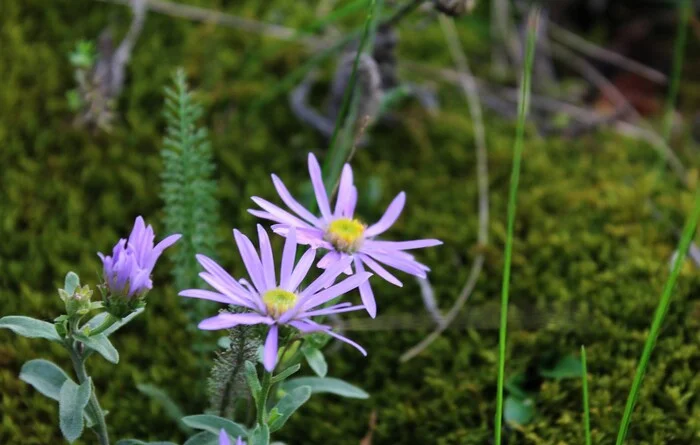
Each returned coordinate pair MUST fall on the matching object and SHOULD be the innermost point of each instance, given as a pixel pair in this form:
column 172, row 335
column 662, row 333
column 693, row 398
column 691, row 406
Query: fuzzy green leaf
column 286, row 373
column 260, row 435
column 518, row 411
column 251, row 376
column 100, row 344
column 30, row 327
column 98, row 319
column 72, row 401
column 214, row 424
column 291, row 402
column 568, row 367
column 326, row 385
column 315, row 359
column 71, row 283
column 203, row 438
column 45, row 376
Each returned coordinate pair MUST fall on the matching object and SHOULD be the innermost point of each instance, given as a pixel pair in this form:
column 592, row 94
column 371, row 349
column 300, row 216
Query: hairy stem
column 264, row 393
column 93, row 404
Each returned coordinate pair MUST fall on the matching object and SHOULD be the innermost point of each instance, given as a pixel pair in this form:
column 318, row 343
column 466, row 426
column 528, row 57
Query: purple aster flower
column 127, row 272
column 276, row 302
column 224, row 439
column 342, row 234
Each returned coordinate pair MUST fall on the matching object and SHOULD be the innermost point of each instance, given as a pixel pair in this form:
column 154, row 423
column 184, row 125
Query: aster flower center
column 345, row 234
column 279, row 301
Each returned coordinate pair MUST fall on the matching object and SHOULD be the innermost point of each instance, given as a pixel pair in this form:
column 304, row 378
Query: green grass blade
column 523, row 103
column 661, row 309
column 293, row 78
column 584, row 383
column 678, row 50
column 337, row 153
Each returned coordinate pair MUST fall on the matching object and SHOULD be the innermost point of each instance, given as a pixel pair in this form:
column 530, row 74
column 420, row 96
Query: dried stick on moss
column 595, row 77
column 512, row 197
column 590, row 49
column 660, row 314
column 471, row 92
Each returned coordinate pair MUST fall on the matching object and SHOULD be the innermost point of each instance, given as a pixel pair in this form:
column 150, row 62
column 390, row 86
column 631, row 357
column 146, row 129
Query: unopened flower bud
column 127, row 272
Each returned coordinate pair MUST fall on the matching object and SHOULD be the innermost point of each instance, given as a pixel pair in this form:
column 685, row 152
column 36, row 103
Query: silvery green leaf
column 45, row 376
column 251, row 376
column 72, row 401
column 30, row 327
column 260, row 435
column 315, row 359
column 100, row 344
column 286, row 373
column 71, row 283
column 567, row 367
column 518, row 411
column 98, row 319
column 203, row 438
column 325, row 385
column 287, row 405
column 214, row 424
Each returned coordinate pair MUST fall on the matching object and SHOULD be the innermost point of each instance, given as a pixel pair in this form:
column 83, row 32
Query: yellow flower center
column 345, row 234
column 279, row 301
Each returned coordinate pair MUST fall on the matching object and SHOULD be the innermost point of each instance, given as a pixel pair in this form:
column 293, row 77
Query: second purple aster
column 343, row 235
column 276, row 301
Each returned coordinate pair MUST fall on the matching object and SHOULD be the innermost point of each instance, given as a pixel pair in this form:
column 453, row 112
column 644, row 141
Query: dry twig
column 471, row 92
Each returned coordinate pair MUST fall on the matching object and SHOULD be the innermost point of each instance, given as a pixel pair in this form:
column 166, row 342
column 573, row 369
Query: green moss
column 588, row 255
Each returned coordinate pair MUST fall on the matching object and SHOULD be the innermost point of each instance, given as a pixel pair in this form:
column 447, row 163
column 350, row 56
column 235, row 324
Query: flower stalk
column 93, row 404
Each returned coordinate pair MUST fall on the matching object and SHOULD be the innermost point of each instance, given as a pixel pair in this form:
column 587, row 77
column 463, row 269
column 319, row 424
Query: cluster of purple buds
column 127, row 272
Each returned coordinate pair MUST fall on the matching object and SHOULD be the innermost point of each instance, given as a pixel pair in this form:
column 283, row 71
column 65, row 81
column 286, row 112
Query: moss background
column 589, row 256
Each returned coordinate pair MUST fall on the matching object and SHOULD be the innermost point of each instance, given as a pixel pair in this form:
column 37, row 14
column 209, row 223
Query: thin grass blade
column 533, row 23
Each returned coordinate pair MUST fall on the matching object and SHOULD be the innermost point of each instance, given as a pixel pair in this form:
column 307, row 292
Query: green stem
column 586, row 411
column 93, row 404
column 106, row 324
column 659, row 315
column 262, row 401
column 533, row 20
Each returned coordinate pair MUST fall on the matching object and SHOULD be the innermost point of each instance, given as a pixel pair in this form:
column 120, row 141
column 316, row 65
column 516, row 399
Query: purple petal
column 389, row 218
column 307, row 326
column 366, row 292
column 328, row 259
column 292, row 203
column 250, row 260
column 270, row 355
column 263, row 215
column 328, row 276
column 239, row 441
column 348, row 341
column 409, row 266
column 402, row 245
column 337, row 309
column 305, row 235
column 288, row 257
column 349, row 210
column 223, row 438
column 344, row 191
column 336, row 290
column 280, row 215
column 376, row 267
column 268, row 262
column 301, row 269
column 319, row 189
column 207, row 295
column 224, row 321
